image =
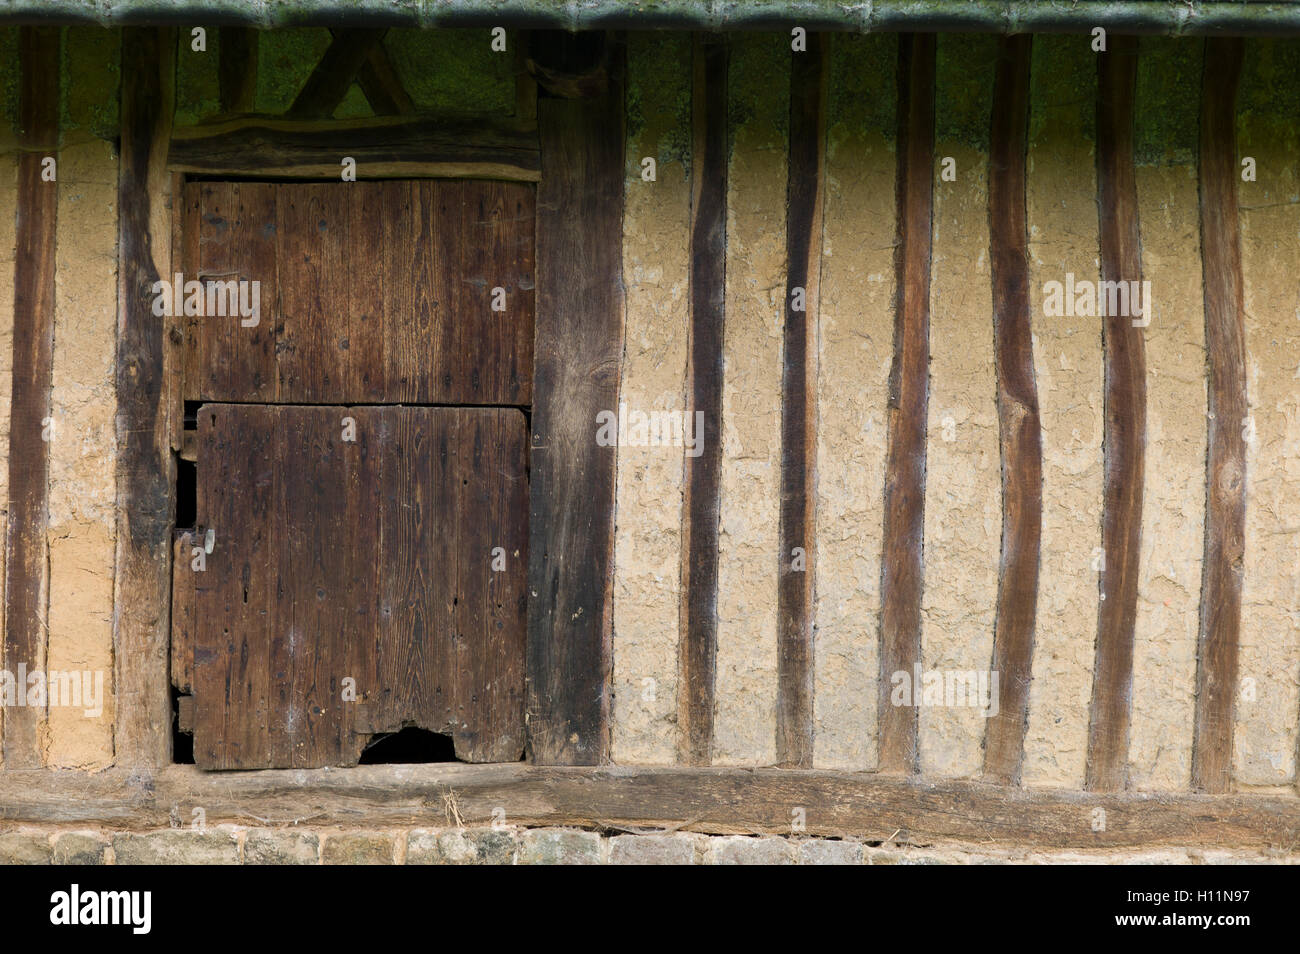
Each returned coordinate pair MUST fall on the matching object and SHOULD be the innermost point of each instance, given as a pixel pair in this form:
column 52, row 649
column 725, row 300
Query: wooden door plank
column 516, row 248
column 252, row 257
column 408, row 305
column 1225, row 339
column 233, row 593
column 282, row 724
column 385, row 295
column 507, row 589
column 313, row 290
column 478, row 273
column 441, row 474
column 472, row 509
column 213, row 645
column 363, row 453
column 195, row 358
column 1125, row 434
column 218, row 261
column 794, row 712
column 902, row 568
column 317, row 521
column 366, row 279
column 1018, row 422
column 249, row 528
column 448, row 202
column 408, row 608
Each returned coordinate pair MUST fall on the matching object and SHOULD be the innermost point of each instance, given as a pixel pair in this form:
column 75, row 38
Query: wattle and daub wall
column 936, row 524
column 963, row 457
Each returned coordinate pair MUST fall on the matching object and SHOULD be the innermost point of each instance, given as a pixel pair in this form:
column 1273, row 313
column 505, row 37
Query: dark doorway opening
column 410, row 745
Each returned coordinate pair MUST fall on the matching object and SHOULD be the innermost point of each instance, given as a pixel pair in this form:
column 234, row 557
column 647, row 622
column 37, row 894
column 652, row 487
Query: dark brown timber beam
column 381, row 84
column 719, row 800
column 387, row 147
column 901, row 570
column 1018, row 424
column 796, row 566
column 1126, row 418
column 1225, row 492
column 579, row 342
column 145, row 468
column 702, row 478
column 27, row 544
column 237, row 69
column 338, row 67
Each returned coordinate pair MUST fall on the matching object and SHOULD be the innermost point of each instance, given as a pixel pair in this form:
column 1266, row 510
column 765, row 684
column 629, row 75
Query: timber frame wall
column 575, row 151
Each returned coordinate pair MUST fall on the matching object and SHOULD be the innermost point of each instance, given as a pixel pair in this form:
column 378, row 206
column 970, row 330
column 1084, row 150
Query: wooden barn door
column 362, row 469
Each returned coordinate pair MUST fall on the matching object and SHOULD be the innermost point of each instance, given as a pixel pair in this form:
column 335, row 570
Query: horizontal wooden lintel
column 383, row 147
column 714, row 800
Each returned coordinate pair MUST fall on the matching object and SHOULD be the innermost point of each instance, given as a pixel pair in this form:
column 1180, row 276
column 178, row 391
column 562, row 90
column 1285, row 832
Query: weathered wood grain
column 26, row 561
column 796, row 580
column 187, row 207
column 367, row 456
column 1126, row 412
column 366, row 279
column 234, row 591
column 312, row 225
column 902, row 568
column 1225, row 504
column 418, row 591
column 176, row 351
column 702, row 480
column 1018, row 423
column 730, row 800
column 356, row 543
column 145, row 469
column 384, row 147
column 370, row 292
column 579, row 340
column 182, row 632
column 254, row 257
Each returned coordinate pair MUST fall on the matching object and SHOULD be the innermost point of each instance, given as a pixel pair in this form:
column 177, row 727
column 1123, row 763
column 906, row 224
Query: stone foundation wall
column 233, row 845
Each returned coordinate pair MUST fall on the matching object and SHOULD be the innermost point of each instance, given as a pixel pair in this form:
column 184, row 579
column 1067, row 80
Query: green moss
column 91, row 80
column 285, row 60
column 198, row 92
column 659, row 96
column 1167, row 107
column 759, row 80
column 354, row 105
column 1270, row 79
column 450, row 71
column 9, row 79
column 1063, row 87
column 863, row 85
column 965, row 64
column 1268, row 102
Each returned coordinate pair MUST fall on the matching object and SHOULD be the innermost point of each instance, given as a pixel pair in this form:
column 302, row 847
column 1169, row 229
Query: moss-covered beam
column 1174, row 17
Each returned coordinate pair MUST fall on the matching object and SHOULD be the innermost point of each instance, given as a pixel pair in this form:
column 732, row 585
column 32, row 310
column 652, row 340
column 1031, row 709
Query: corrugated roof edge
column 1173, row 17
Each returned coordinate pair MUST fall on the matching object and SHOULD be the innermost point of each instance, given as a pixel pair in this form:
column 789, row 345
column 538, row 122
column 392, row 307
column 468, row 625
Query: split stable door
column 358, row 557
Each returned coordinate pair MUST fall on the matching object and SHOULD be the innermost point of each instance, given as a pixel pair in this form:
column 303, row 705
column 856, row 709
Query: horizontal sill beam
column 985, row 16
column 713, row 800
column 388, row 147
